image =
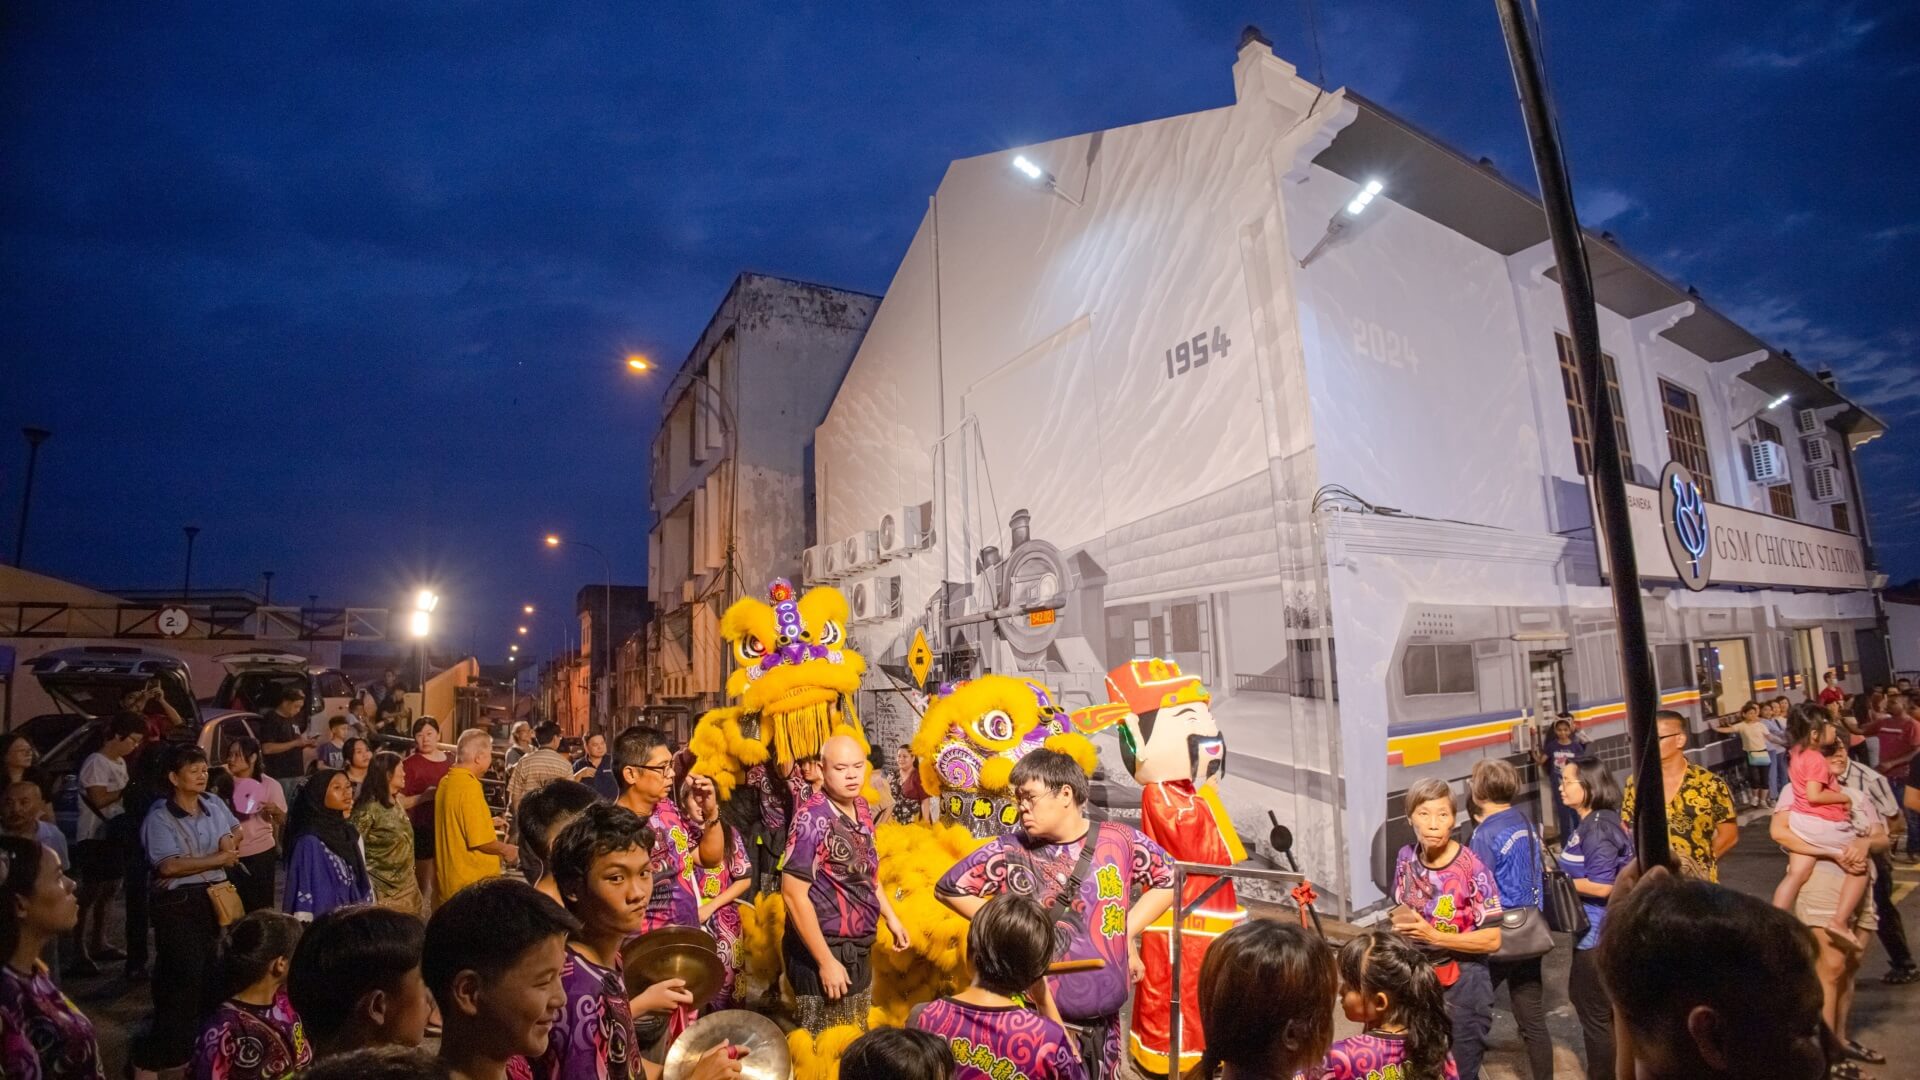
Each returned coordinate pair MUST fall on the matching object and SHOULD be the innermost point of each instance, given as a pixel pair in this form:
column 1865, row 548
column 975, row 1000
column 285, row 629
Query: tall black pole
column 186, row 578
column 35, row 436
column 1610, row 487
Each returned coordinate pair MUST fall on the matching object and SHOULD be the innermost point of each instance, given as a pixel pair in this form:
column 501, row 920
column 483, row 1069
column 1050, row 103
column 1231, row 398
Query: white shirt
column 1875, row 786
column 99, row 770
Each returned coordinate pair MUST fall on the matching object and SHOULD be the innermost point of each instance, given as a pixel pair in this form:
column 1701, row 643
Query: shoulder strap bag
column 1561, row 903
column 1524, row 933
column 228, row 908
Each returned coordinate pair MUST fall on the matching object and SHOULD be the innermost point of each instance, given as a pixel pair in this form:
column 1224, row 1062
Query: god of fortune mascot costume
column 1171, row 745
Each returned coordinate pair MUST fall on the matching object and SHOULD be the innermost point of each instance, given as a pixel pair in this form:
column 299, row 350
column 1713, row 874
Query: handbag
column 1524, row 933
column 1561, row 901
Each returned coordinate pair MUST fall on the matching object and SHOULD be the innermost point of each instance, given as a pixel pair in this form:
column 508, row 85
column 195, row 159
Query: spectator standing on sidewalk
column 1753, row 744
column 99, row 853
column 1901, row 969
column 1701, row 824
column 261, row 806
column 284, row 741
column 467, row 845
column 1446, row 901
column 1559, row 749
column 1593, row 859
column 540, row 766
column 1508, row 844
column 424, row 769
column 42, row 1033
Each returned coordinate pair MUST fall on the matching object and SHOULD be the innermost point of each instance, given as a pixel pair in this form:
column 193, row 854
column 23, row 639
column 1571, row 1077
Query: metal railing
column 1181, row 909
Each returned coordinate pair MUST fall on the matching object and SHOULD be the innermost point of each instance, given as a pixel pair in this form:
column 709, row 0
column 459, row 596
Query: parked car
column 88, row 684
column 256, row 678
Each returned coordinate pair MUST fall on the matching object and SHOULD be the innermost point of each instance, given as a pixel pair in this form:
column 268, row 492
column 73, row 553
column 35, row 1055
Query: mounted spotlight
column 1341, row 219
column 1028, row 169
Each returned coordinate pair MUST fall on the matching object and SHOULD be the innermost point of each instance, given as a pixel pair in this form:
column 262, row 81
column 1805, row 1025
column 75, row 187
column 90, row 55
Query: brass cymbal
column 670, row 935
column 700, row 967
column 767, row 1057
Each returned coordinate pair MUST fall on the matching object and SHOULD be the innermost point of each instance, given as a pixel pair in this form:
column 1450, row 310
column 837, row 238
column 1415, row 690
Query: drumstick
column 1069, row 967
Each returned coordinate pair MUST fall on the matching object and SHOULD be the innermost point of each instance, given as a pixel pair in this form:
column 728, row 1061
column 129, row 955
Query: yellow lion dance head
column 970, row 738
column 795, row 677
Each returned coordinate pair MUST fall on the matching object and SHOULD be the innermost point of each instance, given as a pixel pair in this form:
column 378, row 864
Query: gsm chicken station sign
column 1678, row 534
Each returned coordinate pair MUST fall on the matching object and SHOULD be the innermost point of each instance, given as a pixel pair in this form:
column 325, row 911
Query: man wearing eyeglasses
column 644, row 763
column 1101, row 897
column 1701, row 824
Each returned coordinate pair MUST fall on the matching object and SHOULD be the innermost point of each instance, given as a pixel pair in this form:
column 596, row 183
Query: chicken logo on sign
column 1683, row 519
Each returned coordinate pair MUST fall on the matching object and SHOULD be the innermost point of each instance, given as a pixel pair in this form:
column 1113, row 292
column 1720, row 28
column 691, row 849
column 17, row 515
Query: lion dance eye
column 751, row 649
column 830, row 633
column 994, row 725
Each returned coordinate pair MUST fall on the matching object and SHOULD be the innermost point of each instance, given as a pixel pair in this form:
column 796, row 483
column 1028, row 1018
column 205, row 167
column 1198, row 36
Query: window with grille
column 1437, row 669
column 1686, row 435
column 1842, row 520
column 1577, row 408
column 1780, row 496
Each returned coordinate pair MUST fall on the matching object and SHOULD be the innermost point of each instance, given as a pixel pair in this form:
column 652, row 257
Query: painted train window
column 1437, row 669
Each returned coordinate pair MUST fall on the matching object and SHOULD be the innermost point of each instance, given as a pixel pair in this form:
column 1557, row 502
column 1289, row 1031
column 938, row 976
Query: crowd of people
column 332, row 919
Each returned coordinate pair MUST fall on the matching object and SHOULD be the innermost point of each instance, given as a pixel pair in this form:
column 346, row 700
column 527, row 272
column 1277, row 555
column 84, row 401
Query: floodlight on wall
column 1770, row 406
column 1025, row 167
column 1345, row 216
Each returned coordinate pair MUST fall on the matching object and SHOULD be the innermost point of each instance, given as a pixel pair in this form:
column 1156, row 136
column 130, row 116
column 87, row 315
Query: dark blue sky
column 347, row 284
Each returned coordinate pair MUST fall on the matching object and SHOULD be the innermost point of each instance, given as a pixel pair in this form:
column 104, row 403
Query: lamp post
column 186, row 578
column 606, row 695
column 419, row 625
column 35, row 436
column 266, row 590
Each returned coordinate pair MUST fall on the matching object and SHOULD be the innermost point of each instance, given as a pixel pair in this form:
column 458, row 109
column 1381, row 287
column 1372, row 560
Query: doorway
column 1726, row 683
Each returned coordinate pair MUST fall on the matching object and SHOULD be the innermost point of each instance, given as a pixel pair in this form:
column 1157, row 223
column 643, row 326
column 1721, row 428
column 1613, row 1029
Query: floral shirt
column 251, row 1042
column 1694, row 815
column 1126, row 865
column 43, row 1035
column 593, row 1039
column 1457, row 898
column 1008, row 1042
column 1371, row 1055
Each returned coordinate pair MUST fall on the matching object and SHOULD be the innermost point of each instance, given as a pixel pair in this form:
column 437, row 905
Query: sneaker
column 1901, row 976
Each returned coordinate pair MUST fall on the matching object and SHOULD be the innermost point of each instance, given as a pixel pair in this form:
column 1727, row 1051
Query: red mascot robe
column 1193, row 827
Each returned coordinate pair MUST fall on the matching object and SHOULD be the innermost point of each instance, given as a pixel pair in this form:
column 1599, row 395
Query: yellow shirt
column 461, row 820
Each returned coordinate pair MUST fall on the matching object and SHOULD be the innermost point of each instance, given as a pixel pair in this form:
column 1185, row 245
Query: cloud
column 1880, row 371
column 1599, row 205
column 1829, row 35
column 1895, row 232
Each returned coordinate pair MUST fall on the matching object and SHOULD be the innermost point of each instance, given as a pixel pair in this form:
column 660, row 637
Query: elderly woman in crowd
column 1593, row 858
column 1448, row 904
column 192, row 840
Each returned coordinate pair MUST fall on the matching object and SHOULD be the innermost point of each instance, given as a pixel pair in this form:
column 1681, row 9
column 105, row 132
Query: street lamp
column 638, row 362
column 606, row 694
column 419, row 625
column 1344, row 217
column 1769, row 407
column 1033, row 172
column 35, row 436
column 528, row 609
column 523, row 631
column 186, row 579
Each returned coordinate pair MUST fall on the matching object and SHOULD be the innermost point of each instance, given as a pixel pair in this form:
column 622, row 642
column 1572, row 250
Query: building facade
column 1179, row 396
column 731, row 481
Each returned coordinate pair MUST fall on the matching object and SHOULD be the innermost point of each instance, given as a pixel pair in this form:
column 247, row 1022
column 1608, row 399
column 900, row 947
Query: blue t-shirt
column 1598, row 850
column 169, row 831
column 1510, row 846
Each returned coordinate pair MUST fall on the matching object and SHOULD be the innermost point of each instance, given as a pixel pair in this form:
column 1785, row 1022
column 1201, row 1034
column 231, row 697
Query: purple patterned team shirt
column 672, row 902
column 834, row 853
column 1006, row 1042
column 43, row 1035
column 593, row 1039
column 251, row 1042
column 1126, row 864
column 1457, row 898
column 708, row 882
column 1370, row 1056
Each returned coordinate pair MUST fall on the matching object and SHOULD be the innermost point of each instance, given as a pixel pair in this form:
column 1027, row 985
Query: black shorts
column 804, row 975
column 99, row 860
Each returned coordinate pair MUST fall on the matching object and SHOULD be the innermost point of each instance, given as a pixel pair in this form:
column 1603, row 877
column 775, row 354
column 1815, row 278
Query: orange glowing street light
column 528, row 609
column 523, row 631
column 638, row 362
column 552, row 540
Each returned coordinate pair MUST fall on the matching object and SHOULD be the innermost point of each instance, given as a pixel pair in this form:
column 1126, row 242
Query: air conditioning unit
column 1806, row 421
column 1768, row 461
column 904, row 532
column 1825, row 484
column 861, row 551
column 810, row 560
column 886, row 596
column 828, row 563
column 860, row 601
column 1818, row 449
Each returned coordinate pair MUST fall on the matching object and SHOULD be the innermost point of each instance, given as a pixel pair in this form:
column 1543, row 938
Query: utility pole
column 1610, row 487
column 35, row 436
column 266, row 591
column 186, row 578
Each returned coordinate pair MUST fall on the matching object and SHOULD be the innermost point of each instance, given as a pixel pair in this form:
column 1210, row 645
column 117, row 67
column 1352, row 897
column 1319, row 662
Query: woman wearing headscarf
column 326, row 868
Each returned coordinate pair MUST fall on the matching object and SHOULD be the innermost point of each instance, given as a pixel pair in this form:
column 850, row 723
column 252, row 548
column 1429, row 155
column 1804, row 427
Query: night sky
column 348, row 285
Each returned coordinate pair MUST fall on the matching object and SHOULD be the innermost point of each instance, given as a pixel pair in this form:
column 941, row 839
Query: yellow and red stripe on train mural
column 1429, row 741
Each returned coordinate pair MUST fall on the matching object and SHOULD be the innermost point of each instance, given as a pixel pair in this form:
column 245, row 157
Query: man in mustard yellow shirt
column 466, row 846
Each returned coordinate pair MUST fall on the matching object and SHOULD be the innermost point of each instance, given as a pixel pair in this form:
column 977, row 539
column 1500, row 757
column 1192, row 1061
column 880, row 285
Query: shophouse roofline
column 677, row 387
column 1438, row 182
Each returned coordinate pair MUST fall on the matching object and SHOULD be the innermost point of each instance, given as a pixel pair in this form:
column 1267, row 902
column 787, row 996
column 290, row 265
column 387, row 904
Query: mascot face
column 795, row 664
column 1167, row 729
column 970, row 738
